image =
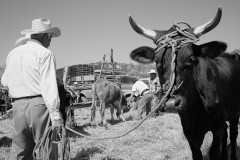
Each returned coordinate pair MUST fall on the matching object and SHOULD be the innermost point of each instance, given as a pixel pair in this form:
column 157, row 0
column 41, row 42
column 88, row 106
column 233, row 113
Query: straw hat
column 75, row 83
column 42, row 25
column 152, row 71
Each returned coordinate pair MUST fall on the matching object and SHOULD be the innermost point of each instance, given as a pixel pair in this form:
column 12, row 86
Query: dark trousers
column 30, row 120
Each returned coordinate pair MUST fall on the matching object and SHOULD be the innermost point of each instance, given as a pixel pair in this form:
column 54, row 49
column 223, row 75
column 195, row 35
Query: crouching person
column 142, row 106
column 30, row 75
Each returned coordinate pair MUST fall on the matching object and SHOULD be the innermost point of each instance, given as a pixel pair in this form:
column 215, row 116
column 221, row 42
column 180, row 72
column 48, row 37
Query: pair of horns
column 197, row 31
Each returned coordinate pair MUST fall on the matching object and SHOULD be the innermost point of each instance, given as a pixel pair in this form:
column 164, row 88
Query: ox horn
column 141, row 30
column 201, row 30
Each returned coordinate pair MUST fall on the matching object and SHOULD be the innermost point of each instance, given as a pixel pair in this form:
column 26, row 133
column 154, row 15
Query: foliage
column 139, row 70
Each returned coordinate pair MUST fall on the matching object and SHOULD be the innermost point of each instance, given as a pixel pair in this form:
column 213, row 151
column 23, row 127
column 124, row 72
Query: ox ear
column 143, row 54
column 211, row 49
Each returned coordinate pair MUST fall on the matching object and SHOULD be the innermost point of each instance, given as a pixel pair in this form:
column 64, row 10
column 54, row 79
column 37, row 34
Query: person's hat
column 152, row 71
column 42, row 25
column 75, row 83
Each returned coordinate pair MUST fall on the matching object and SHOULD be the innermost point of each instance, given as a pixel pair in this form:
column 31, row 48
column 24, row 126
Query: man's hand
column 58, row 127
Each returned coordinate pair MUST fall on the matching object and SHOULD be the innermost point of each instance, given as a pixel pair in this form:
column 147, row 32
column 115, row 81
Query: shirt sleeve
column 134, row 89
column 4, row 78
column 48, row 85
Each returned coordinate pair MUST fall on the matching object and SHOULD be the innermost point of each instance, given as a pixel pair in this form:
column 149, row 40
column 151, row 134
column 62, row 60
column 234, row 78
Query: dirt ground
column 159, row 138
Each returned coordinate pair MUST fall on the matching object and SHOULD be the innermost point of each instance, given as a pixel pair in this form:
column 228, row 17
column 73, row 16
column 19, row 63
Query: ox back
column 64, row 97
column 109, row 94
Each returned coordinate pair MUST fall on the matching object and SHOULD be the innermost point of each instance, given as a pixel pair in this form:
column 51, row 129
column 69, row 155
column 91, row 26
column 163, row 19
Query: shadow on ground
column 5, row 142
column 108, row 158
column 79, row 129
column 86, row 154
column 114, row 122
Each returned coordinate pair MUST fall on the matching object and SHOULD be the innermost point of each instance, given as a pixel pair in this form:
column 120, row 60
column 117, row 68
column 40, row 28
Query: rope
column 44, row 149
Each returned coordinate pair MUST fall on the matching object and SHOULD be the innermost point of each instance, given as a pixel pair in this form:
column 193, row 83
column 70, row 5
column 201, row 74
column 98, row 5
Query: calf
column 109, row 94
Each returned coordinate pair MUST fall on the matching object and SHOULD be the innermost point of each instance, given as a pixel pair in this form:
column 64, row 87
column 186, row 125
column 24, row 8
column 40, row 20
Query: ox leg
column 196, row 152
column 102, row 113
column 215, row 152
column 224, row 143
column 233, row 136
column 112, row 112
column 93, row 114
column 120, row 112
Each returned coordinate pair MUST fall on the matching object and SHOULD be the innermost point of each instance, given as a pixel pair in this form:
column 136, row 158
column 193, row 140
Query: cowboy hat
column 75, row 83
column 152, row 71
column 42, row 25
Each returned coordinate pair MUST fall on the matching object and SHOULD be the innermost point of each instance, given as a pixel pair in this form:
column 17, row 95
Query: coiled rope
column 45, row 149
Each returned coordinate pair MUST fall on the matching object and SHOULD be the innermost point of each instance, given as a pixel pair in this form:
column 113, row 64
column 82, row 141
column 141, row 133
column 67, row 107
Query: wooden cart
column 70, row 121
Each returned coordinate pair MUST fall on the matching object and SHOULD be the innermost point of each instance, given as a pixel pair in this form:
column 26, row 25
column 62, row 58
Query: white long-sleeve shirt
column 138, row 87
column 31, row 70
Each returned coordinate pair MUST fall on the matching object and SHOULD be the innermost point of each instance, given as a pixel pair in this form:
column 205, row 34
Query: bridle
column 168, row 41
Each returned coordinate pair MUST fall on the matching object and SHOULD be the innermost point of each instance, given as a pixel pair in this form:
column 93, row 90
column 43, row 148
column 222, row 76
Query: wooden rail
column 80, row 105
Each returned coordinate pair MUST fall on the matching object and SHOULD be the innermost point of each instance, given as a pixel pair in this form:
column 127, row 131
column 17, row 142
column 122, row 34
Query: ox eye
column 193, row 60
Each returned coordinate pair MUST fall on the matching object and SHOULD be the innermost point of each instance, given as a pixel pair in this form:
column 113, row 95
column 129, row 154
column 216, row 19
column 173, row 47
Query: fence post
column 102, row 66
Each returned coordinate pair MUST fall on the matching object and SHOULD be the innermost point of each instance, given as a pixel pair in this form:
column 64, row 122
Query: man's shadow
column 5, row 142
column 86, row 154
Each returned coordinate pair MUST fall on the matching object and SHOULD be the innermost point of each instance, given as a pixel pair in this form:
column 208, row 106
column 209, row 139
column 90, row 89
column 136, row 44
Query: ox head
column 178, row 42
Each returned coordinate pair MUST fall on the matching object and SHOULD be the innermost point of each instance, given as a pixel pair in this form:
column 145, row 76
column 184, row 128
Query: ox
column 206, row 79
column 109, row 94
column 65, row 99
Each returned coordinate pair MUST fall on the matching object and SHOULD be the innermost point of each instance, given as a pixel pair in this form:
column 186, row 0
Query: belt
column 144, row 92
column 27, row 97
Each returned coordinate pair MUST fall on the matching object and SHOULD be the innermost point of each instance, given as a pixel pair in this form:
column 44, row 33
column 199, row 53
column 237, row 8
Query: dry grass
column 159, row 138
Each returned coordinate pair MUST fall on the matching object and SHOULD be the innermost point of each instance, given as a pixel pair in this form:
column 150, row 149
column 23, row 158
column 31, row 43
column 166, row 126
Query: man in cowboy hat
column 141, row 97
column 30, row 75
column 154, row 84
